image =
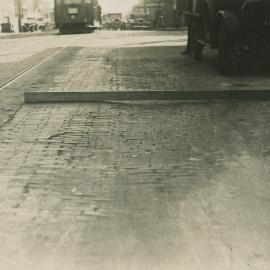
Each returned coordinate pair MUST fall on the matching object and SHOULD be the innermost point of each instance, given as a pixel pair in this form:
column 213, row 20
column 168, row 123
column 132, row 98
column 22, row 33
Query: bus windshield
column 72, row 1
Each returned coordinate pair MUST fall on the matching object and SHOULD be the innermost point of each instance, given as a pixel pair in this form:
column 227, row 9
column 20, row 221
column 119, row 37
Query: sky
column 122, row 6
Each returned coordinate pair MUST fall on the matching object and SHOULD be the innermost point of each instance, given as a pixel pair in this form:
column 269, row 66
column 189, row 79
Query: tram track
column 26, row 71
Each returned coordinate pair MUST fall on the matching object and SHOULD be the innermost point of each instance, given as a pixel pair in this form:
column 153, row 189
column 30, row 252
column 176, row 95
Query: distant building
column 39, row 9
column 18, row 12
column 9, row 15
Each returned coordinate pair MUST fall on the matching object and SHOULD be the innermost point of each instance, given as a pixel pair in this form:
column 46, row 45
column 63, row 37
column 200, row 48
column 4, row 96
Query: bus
column 77, row 16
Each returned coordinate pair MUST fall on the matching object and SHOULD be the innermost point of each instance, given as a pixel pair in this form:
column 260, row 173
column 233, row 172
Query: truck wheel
column 196, row 47
column 225, row 50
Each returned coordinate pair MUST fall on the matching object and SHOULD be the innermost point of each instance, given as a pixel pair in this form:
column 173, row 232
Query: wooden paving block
column 55, row 97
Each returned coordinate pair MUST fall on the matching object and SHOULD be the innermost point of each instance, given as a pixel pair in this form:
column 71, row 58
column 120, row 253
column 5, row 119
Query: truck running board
column 55, row 97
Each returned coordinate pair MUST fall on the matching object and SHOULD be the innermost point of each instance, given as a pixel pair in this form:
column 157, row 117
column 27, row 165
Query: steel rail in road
column 29, row 69
column 101, row 96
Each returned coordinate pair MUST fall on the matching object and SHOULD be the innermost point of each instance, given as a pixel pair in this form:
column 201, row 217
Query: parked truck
column 238, row 29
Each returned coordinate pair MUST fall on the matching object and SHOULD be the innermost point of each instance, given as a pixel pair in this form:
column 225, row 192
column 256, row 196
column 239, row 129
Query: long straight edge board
column 54, row 97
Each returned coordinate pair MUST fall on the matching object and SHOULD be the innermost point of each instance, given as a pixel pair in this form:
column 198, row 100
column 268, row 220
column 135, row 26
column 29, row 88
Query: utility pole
column 19, row 13
column 145, row 7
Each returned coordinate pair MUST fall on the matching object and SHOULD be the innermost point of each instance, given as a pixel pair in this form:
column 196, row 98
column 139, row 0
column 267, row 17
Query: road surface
column 131, row 185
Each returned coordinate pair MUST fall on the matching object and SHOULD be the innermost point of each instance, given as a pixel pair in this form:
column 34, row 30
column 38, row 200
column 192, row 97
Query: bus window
column 68, row 2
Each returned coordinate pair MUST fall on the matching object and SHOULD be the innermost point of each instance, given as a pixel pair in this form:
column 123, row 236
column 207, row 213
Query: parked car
column 141, row 24
column 30, row 27
column 237, row 28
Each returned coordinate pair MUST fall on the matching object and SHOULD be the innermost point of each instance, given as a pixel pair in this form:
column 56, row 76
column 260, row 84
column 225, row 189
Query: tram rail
column 26, row 71
column 100, row 96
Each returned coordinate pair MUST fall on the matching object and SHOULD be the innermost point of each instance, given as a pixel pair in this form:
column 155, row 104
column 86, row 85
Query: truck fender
column 228, row 17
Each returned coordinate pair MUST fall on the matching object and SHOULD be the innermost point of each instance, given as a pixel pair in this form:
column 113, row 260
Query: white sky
column 122, row 6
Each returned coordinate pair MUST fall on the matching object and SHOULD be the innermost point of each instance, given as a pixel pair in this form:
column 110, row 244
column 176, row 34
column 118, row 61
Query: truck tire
column 225, row 50
column 196, row 47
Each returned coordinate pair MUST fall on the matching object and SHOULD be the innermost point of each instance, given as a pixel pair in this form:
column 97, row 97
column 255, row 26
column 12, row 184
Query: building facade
column 15, row 13
column 38, row 10
column 9, row 15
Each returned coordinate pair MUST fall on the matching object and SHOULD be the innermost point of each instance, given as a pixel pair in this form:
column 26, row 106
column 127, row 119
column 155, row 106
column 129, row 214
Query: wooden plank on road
column 55, row 97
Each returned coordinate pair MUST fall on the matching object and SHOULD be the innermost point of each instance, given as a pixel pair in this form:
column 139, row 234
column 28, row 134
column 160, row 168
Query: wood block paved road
column 134, row 185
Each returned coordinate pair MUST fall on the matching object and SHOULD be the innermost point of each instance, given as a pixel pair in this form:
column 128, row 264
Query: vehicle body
column 113, row 21
column 237, row 28
column 117, row 24
column 30, row 27
column 6, row 28
column 30, row 24
column 130, row 24
column 141, row 24
column 77, row 15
